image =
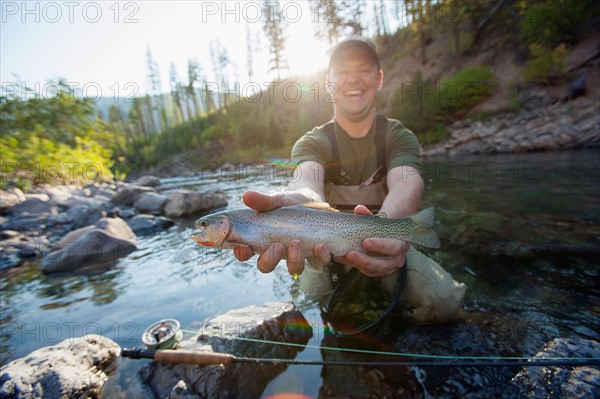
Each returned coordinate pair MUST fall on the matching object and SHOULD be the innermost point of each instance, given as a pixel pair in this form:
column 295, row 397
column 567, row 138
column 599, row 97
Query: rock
column 150, row 203
column 57, row 195
column 123, row 212
column 30, row 215
column 104, row 189
column 577, row 87
column 74, row 368
column 26, row 247
column 183, row 202
column 102, row 244
column 9, row 256
column 41, row 196
column 10, row 197
column 8, row 234
column 272, row 321
column 33, row 206
column 149, row 181
column 148, row 224
column 84, row 216
column 562, row 382
column 573, row 124
column 127, row 193
column 182, row 391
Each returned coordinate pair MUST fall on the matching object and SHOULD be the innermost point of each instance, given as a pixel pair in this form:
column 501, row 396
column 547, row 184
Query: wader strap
column 334, row 173
column 336, row 273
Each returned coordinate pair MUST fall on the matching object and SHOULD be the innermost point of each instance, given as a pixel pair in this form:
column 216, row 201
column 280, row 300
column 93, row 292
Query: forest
column 64, row 136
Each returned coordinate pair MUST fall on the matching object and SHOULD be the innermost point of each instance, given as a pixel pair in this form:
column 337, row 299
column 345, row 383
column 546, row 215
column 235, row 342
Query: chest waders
column 343, row 196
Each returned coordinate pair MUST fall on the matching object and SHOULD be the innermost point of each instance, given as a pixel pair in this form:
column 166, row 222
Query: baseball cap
column 355, row 41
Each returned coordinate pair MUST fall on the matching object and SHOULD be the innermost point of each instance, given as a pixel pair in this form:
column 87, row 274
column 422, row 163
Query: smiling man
column 363, row 162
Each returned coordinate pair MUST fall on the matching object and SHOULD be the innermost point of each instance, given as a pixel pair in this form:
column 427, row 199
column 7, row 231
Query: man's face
column 354, row 79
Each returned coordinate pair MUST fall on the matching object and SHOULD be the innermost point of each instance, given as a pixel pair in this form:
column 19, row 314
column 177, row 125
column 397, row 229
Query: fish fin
column 322, row 206
column 381, row 215
column 424, row 218
column 424, row 235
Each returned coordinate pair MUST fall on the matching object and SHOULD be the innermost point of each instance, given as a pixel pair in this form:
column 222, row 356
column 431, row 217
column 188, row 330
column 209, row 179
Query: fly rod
column 201, row 358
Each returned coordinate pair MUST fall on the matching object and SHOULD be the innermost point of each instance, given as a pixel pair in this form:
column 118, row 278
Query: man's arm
column 405, row 187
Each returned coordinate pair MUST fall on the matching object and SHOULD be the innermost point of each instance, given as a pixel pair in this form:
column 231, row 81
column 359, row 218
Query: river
column 522, row 231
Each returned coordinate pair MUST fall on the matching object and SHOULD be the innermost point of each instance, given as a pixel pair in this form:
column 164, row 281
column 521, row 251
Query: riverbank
column 539, row 126
column 74, row 227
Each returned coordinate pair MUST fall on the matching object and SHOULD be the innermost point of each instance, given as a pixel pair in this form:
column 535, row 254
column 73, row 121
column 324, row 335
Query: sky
column 100, row 47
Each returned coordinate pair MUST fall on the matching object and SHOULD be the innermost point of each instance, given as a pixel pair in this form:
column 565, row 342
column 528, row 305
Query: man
column 361, row 160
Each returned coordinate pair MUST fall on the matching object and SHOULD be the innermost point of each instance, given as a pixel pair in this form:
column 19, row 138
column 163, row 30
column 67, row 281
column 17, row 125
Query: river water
column 522, row 231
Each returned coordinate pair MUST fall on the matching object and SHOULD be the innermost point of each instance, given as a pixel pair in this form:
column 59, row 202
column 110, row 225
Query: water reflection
column 522, row 231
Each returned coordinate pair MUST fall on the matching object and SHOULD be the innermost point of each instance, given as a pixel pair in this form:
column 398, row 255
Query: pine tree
column 155, row 90
column 176, row 92
column 274, row 28
column 249, row 54
column 336, row 18
column 194, row 75
column 383, row 18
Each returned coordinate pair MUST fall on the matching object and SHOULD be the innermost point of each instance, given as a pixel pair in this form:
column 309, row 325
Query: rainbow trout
column 311, row 224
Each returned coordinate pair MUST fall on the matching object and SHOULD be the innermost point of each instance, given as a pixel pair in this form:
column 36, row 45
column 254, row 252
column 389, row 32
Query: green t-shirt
column 359, row 155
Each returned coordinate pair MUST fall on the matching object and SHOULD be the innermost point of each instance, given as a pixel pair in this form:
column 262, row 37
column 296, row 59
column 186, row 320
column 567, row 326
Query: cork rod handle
column 192, row 357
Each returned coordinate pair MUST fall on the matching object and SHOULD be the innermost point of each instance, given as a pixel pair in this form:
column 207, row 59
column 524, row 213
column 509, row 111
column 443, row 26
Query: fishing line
column 510, row 359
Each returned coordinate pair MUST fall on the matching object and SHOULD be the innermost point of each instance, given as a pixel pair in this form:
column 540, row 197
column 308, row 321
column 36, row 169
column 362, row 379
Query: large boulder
column 104, row 243
column 562, row 382
column 148, row 224
column 184, row 202
column 273, row 321
column 150, row 203
column 74, row 368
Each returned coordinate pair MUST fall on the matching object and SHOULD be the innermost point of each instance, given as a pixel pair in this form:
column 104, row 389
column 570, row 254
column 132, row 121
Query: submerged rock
column 74, row 368
column 106, row 242
column 148, row 224
column 272, row 321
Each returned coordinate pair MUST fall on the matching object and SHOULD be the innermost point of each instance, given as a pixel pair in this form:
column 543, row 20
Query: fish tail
column 424, row 235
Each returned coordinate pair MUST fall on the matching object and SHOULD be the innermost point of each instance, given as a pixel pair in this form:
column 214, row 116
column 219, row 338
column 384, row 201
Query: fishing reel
column 163, row 334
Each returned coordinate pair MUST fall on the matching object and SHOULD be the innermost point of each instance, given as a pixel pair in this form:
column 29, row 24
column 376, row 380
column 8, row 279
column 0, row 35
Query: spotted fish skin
column 339, row 232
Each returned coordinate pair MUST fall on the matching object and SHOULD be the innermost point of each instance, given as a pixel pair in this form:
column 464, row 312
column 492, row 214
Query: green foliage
column 416, row 104
column 545, row 65
column 53, row 140
column 467, row 88
column 439, row 132
column 551, row 22
column 466, row 41
column 424, row 106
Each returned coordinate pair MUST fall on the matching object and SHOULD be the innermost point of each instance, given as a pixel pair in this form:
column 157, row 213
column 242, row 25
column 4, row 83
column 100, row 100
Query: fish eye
column 203, row 223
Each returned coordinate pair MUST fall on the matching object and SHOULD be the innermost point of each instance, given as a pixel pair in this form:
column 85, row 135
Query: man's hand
column 391, row 253
column 270, row 258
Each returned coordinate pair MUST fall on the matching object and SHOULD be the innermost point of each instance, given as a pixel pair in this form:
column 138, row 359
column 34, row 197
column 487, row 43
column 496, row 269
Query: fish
column 311, row 224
